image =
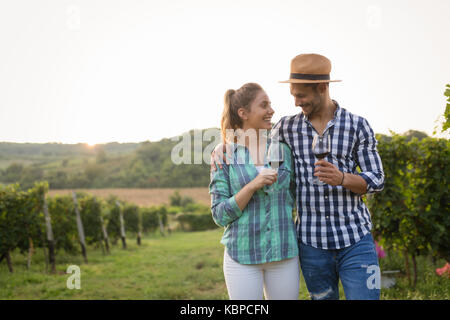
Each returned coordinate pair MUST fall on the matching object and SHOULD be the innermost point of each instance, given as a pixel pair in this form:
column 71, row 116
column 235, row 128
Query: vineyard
column 30, row 220
column 411, row 220
column 411, row 216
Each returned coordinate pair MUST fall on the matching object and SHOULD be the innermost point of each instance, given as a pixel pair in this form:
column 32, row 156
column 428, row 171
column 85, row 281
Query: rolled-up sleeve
column 223, row 204
column 368, row 158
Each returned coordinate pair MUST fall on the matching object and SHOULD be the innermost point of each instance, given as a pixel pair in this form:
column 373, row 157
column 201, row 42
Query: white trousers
column 278, row 280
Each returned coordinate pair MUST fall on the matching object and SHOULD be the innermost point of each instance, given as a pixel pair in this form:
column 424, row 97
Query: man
column 333, row 223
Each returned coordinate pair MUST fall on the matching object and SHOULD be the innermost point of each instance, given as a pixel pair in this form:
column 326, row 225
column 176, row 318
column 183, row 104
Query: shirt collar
column 337, row 112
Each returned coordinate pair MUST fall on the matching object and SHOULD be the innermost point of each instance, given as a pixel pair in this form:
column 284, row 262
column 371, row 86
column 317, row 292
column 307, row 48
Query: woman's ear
column 242, row 113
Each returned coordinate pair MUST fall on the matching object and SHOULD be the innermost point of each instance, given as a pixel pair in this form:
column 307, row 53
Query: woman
column 261, row 254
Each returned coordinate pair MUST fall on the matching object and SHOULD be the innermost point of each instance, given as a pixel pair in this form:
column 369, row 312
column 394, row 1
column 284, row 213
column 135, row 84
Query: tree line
column 144, row 165
column 148, row 165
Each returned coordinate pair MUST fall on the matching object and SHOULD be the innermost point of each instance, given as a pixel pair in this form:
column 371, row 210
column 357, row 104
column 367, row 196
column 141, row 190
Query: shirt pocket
column 343, row 153
column 284, row 178
column 240, row 177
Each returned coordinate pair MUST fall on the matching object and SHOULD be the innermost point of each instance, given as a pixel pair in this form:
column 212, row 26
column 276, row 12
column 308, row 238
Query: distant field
column 145, row 197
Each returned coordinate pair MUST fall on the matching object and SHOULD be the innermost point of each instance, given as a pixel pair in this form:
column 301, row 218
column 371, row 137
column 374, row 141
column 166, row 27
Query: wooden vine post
column 122, row 226
column 104, row 232
column 139, row 236
column 105, row 235
column 50, row 239
column 80, row 227
column 161, row 226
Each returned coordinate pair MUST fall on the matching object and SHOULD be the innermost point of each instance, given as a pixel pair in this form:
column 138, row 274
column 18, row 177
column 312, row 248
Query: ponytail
column 226, row 121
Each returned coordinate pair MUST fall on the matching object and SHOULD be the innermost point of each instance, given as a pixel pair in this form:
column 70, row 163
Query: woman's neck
column 256, row 143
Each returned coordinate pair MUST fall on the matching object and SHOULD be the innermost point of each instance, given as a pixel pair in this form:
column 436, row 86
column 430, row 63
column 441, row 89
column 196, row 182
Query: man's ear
column 322, row 87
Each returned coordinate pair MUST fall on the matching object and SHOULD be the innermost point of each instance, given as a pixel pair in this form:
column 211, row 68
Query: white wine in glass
column 275, row 157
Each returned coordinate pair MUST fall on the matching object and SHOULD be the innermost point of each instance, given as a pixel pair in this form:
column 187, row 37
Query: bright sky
column 128, row 71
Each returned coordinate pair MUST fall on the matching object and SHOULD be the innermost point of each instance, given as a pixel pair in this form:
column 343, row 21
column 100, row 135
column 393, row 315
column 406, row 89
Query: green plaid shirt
column 264, row 231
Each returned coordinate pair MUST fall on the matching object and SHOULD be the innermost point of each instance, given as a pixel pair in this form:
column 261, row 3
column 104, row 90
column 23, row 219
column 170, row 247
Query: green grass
column 429, row 285
column 179, row 266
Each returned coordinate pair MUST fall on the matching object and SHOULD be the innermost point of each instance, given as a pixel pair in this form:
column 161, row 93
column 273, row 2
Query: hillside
column 113, row 165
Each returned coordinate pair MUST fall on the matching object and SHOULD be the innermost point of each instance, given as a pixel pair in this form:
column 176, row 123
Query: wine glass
column 321, row 147
column 275, row 157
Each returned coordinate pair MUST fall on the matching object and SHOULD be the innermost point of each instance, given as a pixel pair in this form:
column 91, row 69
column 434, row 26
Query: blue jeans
column 356, row 266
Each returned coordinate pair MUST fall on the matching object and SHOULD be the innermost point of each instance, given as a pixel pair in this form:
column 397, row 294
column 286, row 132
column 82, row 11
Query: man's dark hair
column 314, row 85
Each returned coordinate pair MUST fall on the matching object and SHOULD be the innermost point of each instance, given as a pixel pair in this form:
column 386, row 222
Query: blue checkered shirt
column 332, row 217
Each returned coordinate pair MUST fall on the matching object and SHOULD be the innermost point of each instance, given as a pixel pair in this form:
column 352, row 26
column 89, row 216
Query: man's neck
column 325, row 114
column 320, row 119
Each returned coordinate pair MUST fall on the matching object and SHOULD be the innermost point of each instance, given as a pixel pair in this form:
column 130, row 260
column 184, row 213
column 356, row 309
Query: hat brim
column 307, row 81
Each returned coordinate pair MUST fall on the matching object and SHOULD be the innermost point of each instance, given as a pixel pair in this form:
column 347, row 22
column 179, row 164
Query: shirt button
column 326, row 197
column 328, row 217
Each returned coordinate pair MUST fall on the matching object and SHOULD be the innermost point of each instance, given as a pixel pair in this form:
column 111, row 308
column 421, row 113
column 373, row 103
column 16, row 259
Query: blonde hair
column 233, row 100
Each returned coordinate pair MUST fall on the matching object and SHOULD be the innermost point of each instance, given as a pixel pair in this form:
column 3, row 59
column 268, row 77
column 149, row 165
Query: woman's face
column 260, row 113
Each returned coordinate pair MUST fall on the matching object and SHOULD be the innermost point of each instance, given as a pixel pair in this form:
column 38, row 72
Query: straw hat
column 310, row 68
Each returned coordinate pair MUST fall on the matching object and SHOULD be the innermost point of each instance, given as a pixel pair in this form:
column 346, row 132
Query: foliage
column 113, row 218
column 446, row 124
column 63, row 219
column 197, row 208
column 91, row 213
column 411, row 215
column 196, row 222
column 178, row 201
column 150, row 219
column 144, row 165
column 411, row 134
column 432, row 196
column 20, row 217
column 195, row 217
column 131, row 217
column 151, row 216
column 162, row 211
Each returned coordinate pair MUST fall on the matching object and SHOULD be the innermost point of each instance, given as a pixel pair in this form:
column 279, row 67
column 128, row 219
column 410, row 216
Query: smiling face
column 309, row 98
column 260, row 113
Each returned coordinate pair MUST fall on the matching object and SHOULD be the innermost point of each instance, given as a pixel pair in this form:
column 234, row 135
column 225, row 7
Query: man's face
column 308, row 98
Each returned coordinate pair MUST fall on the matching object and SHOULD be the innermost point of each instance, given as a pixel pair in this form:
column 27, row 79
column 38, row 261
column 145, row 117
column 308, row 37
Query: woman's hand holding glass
column 265, row 178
